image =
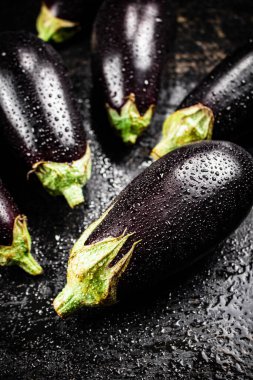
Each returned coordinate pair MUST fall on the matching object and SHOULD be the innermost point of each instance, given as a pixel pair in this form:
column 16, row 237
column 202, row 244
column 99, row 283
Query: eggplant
column 38, row 115
column 179, row 209
column 129, row 44
column 15, row 240
column 59, row 20
column 220, row 107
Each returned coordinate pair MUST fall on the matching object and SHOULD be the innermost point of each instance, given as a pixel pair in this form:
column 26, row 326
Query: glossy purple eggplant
column 61, row 19
column 220, row 107
column 38, row 115
column 179, row 209
column 15, row 240
column 130, row 42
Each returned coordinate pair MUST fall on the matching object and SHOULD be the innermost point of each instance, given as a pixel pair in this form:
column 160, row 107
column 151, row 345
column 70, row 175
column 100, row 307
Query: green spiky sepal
column 129, row 123
column 67, row 178
column 19, row 252
column 53, row 28
column 91, row 281
column 185, row 126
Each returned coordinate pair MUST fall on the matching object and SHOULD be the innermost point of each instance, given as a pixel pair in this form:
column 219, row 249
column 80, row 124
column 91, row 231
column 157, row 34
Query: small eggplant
column 221, row 107
column 130, row 41
column 38, row 115
column 15, row 240
column 180, row 208
column 59, row 20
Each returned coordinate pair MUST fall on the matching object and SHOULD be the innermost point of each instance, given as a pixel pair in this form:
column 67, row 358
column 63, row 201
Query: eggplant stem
column 65, row 178
column 30, row 265
column 53, row 28
column 185, row 126
column 19, row 252
column 73, row 195
column 91, row 281
column 68, row 301
column 128, row 122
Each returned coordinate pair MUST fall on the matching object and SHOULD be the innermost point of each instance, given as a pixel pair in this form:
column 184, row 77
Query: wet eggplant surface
column 200, row 326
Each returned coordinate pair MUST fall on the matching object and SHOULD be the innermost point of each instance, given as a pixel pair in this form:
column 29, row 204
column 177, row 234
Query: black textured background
column 201, row 328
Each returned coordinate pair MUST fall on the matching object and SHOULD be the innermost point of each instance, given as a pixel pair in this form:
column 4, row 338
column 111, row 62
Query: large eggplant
column 130, row 41
column 15, row 241
column 61, row 19
column 38, row 115
column 177, row 210
column 221, row 107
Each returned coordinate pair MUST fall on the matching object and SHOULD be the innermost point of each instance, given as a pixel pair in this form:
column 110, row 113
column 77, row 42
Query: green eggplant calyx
column 67, row 178
column 185, row 126
column 53, row 28
column 19, row 252
column 91, row 281
column 129, row 123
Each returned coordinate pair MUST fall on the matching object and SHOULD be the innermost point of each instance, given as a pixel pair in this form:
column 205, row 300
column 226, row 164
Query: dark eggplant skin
column 36, row 107
column 58, row 20
column 220, row 107
column 179, row 209
column 8, row 212
column 130, row 43
column 228, row 92
column 38, row 114
column 15, row 241
column 71, row 10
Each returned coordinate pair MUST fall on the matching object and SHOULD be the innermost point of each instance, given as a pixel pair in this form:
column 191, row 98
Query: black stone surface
column 201, row 327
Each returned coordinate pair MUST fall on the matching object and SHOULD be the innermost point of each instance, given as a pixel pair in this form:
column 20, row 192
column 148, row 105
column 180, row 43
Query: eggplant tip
column 53, row 28
column 19, row 252
column 73, row 195
column 65, row 178
column 67, row 302
column 185, row 126
column 128, row 122
column 30, row 265
column 92, row 282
